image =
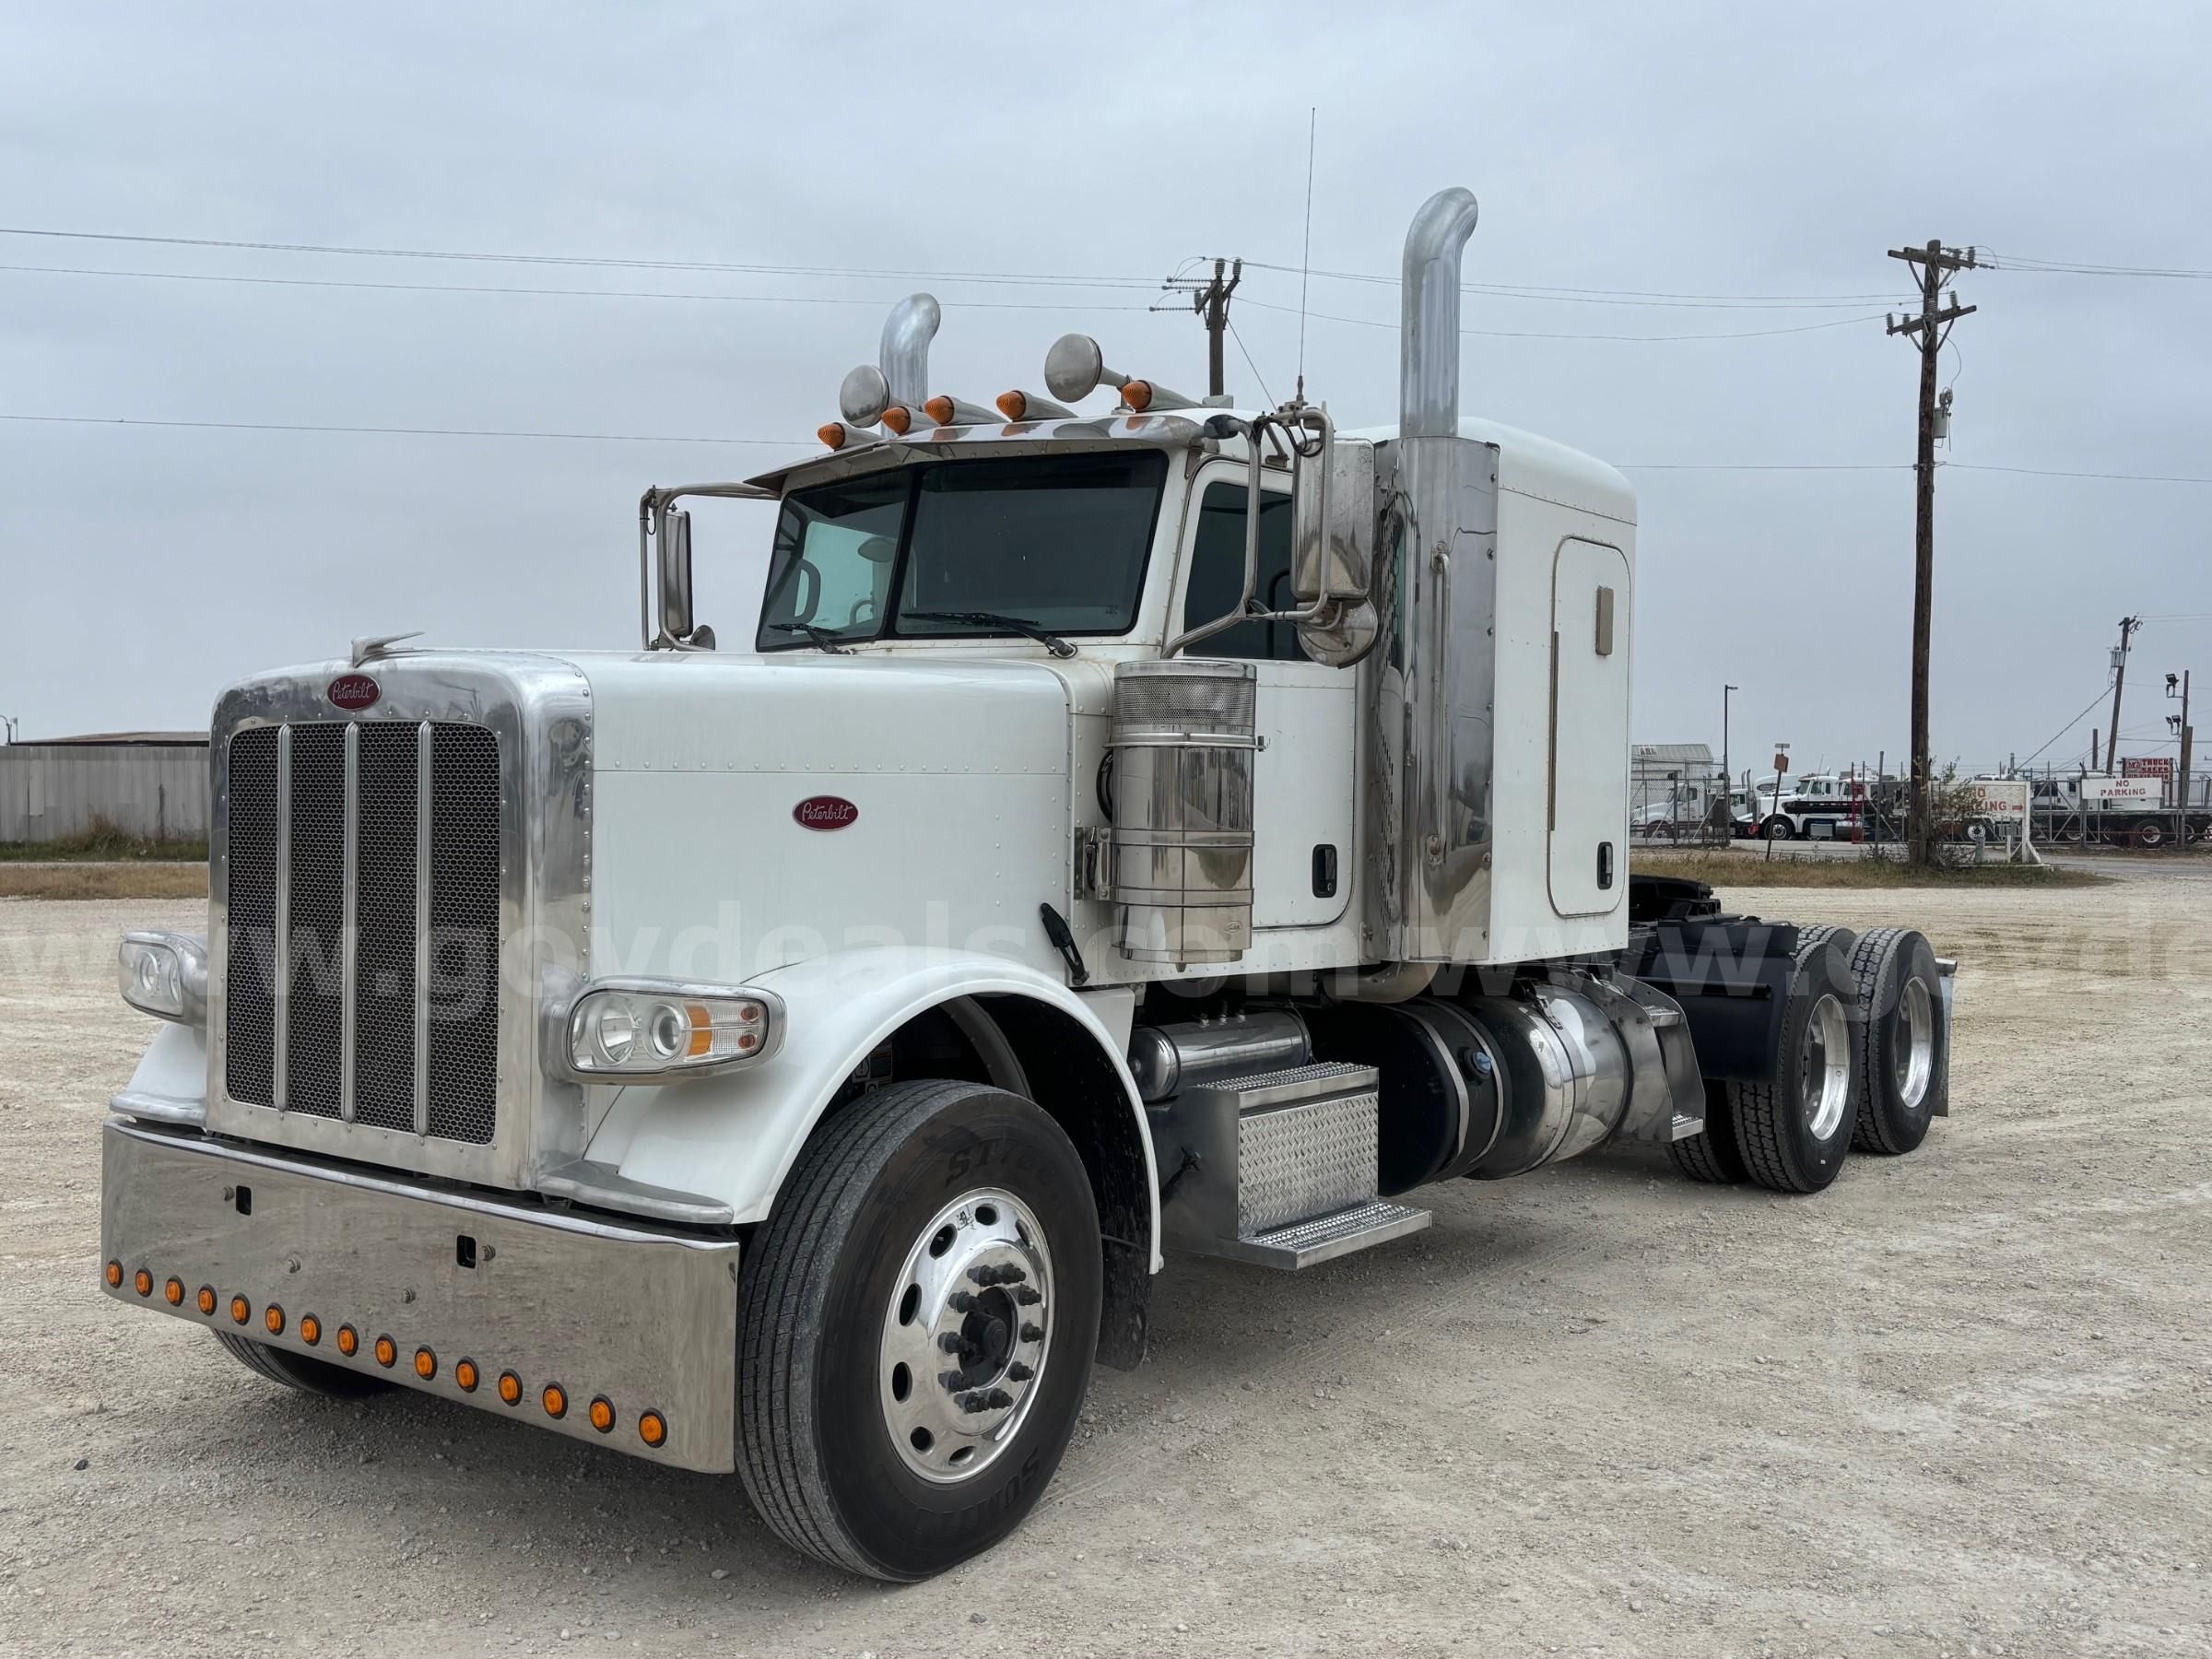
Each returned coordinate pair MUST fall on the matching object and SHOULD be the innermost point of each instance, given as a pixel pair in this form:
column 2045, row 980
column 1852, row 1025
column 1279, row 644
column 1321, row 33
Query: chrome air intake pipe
column 903, row 355
column 1429, row 330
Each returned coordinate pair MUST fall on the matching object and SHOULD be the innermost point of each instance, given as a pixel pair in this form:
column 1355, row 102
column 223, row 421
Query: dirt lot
column 1961, row 1404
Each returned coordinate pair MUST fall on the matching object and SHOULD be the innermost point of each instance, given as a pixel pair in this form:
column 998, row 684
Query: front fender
column 733, row 1137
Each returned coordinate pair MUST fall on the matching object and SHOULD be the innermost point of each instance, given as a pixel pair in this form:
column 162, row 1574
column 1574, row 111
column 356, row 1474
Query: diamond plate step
column 1304, row 1243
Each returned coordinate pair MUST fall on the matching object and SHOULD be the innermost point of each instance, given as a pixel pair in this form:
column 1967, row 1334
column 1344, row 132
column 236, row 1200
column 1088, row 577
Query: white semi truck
column 1179, row 828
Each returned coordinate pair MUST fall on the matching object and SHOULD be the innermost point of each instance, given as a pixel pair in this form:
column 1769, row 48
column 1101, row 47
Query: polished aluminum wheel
column 1912, row 1053
column 967, row 1336
column 1824, row 1066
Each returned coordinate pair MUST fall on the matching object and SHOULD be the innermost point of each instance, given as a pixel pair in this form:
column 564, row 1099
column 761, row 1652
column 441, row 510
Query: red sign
column 825, row 812
column 2148, row 766
column 354, row 692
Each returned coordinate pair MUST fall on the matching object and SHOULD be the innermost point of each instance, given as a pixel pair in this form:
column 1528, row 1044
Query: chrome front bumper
column 646, row 1321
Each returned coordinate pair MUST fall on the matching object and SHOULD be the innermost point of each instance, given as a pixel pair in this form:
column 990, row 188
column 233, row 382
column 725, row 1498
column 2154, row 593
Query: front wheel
column 916, row 1323
column 1777, row 828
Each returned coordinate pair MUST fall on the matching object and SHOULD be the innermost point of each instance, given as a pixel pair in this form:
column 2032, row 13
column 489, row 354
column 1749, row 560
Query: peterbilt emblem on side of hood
column 825, row 812
column 353, row 691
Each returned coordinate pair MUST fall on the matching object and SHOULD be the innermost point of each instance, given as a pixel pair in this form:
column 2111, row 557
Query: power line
column 2051, row 472
column 2072, row 267
column 455, row 287
column 1521, row 334
column 396, row 431
column 2070, row 725
column 1597, row 296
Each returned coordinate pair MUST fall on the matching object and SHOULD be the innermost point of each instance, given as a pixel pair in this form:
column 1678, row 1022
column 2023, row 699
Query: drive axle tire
column 1902, row 1077
column 916, row 1323
column 307, row 1374
column 1795, row 1127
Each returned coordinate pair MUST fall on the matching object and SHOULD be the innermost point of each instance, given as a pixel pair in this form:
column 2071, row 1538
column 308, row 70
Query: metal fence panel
column 49, row 792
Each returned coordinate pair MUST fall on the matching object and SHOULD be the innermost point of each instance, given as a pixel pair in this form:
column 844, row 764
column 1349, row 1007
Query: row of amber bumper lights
column 652, row 1428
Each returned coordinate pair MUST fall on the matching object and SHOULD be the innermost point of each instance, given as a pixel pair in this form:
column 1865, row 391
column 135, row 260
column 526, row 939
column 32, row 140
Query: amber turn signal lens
column 426, row 1364
column 652, row 1429
column 938, row 409
column 240, row 1310
column 174, row 1292
column 555, row 1400
column 511, row 1388
column 273, row 1317
column 1137, row 394
column 603, row 1413
column 349, row 1341
column 1012, row 405
column 387, row 1352
column 832, row 433
column 205, row 1301
column 114, row 1276
column 311, row 1329
column 899, row 418
column 143, row 1282
column 465, row 1374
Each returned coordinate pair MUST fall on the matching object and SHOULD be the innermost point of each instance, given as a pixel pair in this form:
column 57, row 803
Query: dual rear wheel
column 1860, row 1065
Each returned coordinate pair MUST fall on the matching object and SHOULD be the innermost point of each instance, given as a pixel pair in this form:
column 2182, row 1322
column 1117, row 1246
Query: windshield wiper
column 1043, row 636
column 822, row 636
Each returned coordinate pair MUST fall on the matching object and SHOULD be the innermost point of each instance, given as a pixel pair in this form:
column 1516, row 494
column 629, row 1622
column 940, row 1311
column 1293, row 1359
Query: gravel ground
column 1957, row 1404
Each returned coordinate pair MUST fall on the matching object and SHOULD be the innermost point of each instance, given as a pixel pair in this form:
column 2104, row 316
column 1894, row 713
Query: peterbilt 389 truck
column 1175, row 828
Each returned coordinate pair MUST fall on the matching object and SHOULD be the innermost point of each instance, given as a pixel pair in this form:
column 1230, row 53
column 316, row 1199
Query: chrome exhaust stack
column 903, row 355
column 1429, row 326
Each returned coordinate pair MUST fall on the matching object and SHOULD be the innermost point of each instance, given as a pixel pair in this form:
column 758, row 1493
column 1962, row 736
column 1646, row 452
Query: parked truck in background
column 2098, row 807
column 1175, row 829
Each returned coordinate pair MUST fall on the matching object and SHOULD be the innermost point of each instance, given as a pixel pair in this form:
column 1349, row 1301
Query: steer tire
column 1901, row 1081
column 834, row 1278
column 1711, row 1155
column 301, row 1372
column 1794, row 1127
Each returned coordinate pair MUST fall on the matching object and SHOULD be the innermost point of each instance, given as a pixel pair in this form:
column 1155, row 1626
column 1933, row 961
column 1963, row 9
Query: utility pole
column 1727, row 786
column 2188, row 734
column 1934, row 265
column 2112, row 743
column 1210, row 300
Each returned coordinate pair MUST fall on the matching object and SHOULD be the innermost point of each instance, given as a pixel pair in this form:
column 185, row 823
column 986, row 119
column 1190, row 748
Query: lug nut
column 1032, row 1333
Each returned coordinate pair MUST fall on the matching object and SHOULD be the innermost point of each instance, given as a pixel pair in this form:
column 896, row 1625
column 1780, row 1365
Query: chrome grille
column 371, row 851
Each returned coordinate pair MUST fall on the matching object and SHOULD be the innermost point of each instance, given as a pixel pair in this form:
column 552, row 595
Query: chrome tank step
column 1277, row 1168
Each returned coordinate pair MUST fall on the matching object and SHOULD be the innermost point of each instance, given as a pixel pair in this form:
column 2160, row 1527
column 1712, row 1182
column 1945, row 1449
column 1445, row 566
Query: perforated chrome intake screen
column 361, row 977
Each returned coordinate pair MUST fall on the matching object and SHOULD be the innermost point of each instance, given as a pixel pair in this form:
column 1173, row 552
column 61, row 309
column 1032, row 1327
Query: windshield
column 1055, row 542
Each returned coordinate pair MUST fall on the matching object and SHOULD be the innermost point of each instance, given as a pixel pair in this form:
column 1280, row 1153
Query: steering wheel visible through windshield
column 1056, row 542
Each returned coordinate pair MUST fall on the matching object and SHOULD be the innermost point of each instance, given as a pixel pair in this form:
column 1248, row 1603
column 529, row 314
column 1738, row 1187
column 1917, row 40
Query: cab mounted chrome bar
column 1312, row 436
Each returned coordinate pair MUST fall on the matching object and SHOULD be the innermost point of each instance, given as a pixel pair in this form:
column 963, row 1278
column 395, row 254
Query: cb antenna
column 1305, row 269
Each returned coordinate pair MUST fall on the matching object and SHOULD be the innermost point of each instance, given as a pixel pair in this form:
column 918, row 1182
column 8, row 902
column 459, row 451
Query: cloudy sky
column 1760, row 156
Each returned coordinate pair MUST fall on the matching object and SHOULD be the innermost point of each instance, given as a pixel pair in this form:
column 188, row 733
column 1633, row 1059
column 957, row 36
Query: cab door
column 1588, row 804
column 1302, row 808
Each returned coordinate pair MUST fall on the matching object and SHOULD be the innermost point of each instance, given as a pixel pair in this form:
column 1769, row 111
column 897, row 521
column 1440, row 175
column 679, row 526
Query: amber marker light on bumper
column 240, row 1310
column 311, row 1329
column 387, row 1352
column 465, row 1376
column 114, row 1276
column 174, row 1292
column 555, row 1400
column 272, row 1316
column 205, row 1301
column 652, row 1428
column 426, row 1364
column 349, row 1341
column 511, row 1388
column 602, row 1414
column 143, row 1282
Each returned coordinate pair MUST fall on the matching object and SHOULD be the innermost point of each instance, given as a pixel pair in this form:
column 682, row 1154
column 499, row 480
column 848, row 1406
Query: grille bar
column 281, row 944
column 426, row 739
column 349, row 923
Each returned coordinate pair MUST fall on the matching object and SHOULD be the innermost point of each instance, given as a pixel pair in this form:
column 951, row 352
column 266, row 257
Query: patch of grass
column 104, row 881
column 103, row 842
column 1756, row 870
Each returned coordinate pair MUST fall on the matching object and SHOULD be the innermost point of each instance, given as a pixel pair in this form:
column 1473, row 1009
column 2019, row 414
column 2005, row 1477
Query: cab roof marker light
column 1018, row 404
column 947, row 411
column 837, row 435
column 1141, row 397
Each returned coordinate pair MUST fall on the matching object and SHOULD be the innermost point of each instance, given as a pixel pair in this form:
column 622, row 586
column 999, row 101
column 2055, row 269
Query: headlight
column 635, row 1029
column 164, row 974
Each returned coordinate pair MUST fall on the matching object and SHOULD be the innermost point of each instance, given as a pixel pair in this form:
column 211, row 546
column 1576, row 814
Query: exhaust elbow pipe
column 1428, row 335
column 904, row 353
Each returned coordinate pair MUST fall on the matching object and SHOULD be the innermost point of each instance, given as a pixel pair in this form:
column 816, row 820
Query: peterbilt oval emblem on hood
column 353, row 691
column 825, row 812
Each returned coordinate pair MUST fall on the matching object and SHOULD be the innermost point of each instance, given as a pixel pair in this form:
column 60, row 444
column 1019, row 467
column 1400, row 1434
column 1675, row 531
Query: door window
column 1217, row 576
